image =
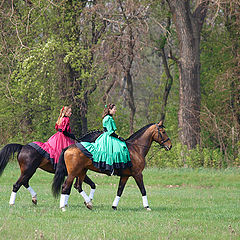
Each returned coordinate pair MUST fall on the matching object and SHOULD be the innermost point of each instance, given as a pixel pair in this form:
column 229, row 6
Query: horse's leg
column 32, row 192
column 29, row 160
column 26, row 174
column 122, row 183
column 23, row 180
column 139, row 180
column 87, row 199
column 88, row 181
column 66, row 190
column 76, row 183
column 16, row 187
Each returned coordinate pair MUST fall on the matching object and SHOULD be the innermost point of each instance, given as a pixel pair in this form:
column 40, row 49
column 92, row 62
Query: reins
column 140, row 145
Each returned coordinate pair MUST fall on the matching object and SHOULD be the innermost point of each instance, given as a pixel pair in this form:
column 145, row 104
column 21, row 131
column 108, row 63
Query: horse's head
column 160, row 136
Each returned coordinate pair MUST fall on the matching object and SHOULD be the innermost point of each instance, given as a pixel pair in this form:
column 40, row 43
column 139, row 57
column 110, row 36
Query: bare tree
column 126, row 21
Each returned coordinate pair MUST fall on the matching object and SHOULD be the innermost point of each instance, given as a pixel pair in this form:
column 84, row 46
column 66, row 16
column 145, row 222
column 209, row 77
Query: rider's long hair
column 62, row 114
column 107, row 109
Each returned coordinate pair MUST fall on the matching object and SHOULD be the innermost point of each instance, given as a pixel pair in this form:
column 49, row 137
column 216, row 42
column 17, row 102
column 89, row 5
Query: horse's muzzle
column 167, row 148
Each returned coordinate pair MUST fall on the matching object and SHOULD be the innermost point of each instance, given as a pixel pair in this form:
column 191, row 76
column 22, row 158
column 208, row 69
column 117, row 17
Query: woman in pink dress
column 62, row 139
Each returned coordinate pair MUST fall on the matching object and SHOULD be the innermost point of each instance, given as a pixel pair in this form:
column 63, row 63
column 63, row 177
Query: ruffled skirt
column 107, row 153
column 53, row 147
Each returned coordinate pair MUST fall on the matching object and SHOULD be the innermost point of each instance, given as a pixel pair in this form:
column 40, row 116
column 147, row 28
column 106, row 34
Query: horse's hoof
column 11, row 204
column 34, row 200
column 89, row 205
column 114, row 208
column 148, row 208
column 63, row 209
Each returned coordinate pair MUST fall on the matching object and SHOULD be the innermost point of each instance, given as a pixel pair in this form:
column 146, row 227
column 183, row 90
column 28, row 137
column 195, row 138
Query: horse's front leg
column 122, row 183
column 139, row 180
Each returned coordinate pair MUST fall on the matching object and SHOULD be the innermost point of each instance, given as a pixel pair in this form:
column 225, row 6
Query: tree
column 82, row 32
column 188, row 27
column 220, row 80
column 126, row 21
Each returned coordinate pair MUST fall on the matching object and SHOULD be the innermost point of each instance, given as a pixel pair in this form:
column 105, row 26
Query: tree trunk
column 168, row 85
column 130, row 99
column 188, row 28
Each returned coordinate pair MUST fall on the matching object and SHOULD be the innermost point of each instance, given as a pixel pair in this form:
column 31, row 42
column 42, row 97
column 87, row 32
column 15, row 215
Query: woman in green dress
column 109, row 151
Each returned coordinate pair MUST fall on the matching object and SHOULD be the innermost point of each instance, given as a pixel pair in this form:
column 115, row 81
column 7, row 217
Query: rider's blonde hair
column 62, row 114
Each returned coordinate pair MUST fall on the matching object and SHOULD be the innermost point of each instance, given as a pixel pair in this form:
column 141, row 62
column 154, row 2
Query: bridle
column 160, row 135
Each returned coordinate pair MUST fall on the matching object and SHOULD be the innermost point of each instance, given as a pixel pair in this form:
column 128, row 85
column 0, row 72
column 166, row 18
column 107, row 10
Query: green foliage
column 179, row 156
column 35, row 91
column 54, row 58
column 219, row 84
column 164, row 159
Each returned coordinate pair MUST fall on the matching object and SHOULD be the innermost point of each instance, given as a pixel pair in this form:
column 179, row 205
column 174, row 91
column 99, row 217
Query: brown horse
column 30, row 159
column 77, row 165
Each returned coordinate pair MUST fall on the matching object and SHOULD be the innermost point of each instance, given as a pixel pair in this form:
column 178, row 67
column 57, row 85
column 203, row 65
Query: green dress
column 107, row 152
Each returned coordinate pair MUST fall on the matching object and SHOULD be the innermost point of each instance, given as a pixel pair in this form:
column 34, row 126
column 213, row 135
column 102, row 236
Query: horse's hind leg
column 16, row 187
column 32, row 192
column 87, row 199
column 66, row 190
column 88, row 181
column 92, row 185
column 29, row 161
column 23, row 180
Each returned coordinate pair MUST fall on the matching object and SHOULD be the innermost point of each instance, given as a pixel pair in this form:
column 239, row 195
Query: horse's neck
column 144, row 142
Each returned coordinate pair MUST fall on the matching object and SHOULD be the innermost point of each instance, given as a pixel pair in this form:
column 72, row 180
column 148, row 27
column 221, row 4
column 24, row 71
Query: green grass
column 185, row 203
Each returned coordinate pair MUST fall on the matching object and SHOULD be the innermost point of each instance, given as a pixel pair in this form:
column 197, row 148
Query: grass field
column 185, row 203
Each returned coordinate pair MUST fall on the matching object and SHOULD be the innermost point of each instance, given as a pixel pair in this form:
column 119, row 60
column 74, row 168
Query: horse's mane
column 139, row 132
column 90, row 136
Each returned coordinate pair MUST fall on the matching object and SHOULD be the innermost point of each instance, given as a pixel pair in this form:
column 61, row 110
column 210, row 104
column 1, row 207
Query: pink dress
column 53, row 147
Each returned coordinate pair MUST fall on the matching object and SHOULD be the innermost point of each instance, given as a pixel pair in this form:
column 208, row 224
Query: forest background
column 176, row 61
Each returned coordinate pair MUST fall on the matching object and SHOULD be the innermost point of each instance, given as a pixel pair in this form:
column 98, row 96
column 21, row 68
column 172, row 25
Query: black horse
column 30, row 159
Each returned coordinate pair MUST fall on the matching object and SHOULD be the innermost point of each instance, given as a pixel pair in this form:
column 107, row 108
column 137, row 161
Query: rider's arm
column 116, row 136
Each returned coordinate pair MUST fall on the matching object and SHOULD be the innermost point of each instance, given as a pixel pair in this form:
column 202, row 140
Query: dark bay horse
column 77, row 164
column 30, row 159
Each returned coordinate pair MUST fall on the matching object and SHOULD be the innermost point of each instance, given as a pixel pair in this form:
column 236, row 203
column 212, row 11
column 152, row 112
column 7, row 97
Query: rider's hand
column 121, row 139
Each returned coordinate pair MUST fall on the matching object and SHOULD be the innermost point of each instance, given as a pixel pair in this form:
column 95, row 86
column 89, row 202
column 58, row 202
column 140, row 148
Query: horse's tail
column 6, row 153
column 60, row 173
